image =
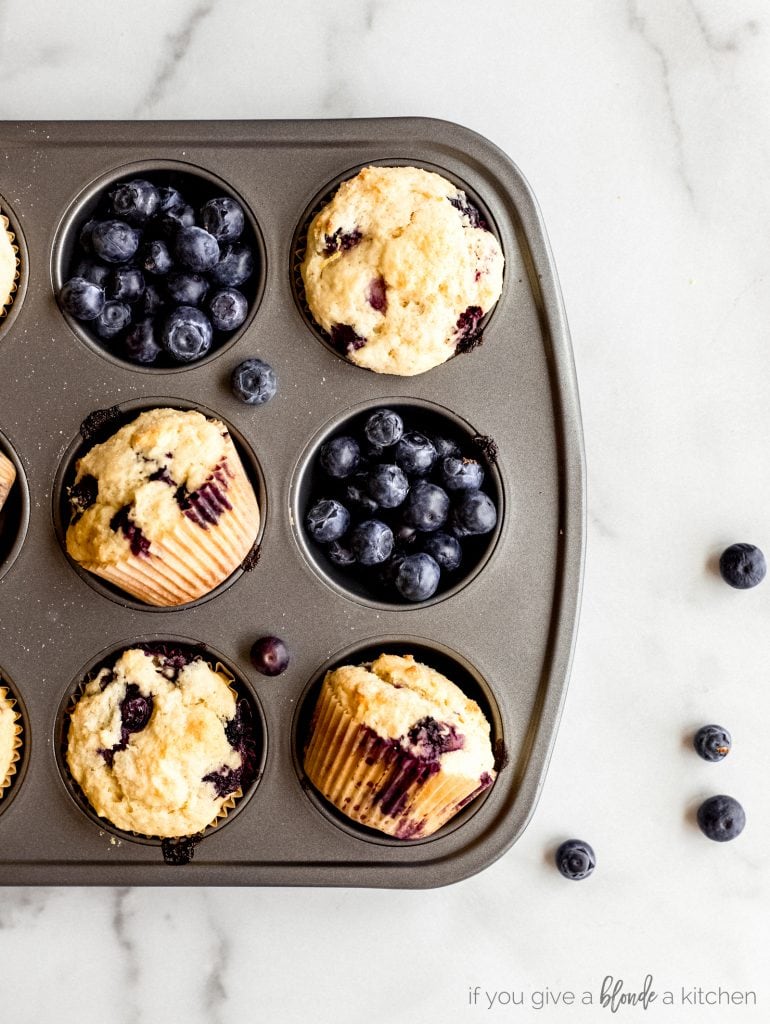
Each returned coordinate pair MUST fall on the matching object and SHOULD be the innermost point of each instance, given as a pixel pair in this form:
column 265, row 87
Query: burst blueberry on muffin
column 397, row 746
column 163, row 509
column 400, row 268
column 160, row 744
column 10, row 738
column 7, row 477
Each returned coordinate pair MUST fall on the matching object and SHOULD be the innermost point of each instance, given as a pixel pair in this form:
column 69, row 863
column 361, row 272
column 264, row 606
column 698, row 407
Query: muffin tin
column 506, row 633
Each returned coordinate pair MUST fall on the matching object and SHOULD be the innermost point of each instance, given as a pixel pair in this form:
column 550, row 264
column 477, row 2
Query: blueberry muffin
column 9, row 264
column 399, row 269
column 10, row 738
column 397, row 746
column 163, row 509
column 159, row 743
column 7, row 477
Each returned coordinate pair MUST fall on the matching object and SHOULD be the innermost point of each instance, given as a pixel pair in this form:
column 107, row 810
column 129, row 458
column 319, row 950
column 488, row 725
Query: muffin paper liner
column 190, row 562
column 6, row 227
column 5, row 782
column 7, row 478
column 376, row 784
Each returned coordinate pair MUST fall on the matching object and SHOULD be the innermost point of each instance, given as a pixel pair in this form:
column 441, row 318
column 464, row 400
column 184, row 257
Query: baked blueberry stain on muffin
column 207, row 504
column 341, row 241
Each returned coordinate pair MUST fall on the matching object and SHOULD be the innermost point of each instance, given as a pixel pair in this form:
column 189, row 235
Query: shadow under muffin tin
column 507, row 631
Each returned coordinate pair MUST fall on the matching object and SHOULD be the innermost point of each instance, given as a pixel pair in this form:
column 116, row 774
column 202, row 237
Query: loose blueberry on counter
column 427, row 507
column 384, row 428
column 474, row 514
column 140, row 345
column 327, row 520
column 445, row 549
column 196, row 249
column 339, row 457
column 415, row 453
column 156, row 258
column 254, row 381
column 135, row 201
column 387, row 486
column 712, row 742
column 575, row 859
column 186, row 334
column 186, row 289
column 458, row 474
column 721, row 818
column 96, row 273
column 82, row 299
column 742, row 566
column 114, row 318
column 417, row 577
column 235, row 266
column 372, row 542
column 223, row 218
column 126, row 284
column 270, row 656
column 114, row 241
column 228, row 309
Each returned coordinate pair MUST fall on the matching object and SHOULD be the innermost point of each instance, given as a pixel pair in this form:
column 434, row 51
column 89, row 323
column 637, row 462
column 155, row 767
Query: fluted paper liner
column 190, row 562
column 7, row 477
column 7, row 700
column 5, row 303
column 344, row 764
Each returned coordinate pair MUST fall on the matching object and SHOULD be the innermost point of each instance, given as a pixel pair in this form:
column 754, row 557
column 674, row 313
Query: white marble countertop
column 642, row 127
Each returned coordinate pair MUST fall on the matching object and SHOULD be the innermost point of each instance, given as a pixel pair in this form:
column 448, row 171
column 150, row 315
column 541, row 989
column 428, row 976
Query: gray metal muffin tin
column 507, row 634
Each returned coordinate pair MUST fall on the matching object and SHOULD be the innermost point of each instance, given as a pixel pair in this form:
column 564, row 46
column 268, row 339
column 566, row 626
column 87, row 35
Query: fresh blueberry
column 186, row 334
column 406, row 535
column 156, row 258
column 223, row 218
column 135, row 201
column 712, row 742
column 236, row 265
column 474, row 513
column 445, row 446
column 270, row 656
column 196, row 249
column 126, row 284
column 254, row 381
column 228, row 309
column 176, row 218
column 327, row 520
column 357, row 493
column 384, row 428
column 721, row 818
column 140, row 345
column 340, row 554
column 742, row 566
column 96, row 273
column 415, row 453
column 417, row 577
column 187, row 289
column 114, row 318
column 86, row 236
column 427, row 506
column 458, row 474
column 82, row 299
column 151, row 302
column 575, row 859
column 339, row 457
column 169, row 199
column 114, row 241
column 387, row 485
column 445, row 549
column 372, row 542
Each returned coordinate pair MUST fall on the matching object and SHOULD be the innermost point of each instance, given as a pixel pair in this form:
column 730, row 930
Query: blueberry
column 82, row 299
column 445, row 549
column 96, row 273
column 427, row 506
column 83, row 494
column 406, row 535
column 169, row 199
column 387, row 485
column 86, row 236
column 445, row 446
column 156, row 258
column 742, row 566
column 176, row 218
column 114, row 318
column 575, row 859
column 340, row 554
column 415, row 453
column 712, row 742
column 384, row 428
column 721, row 818
column 135, row 201
column 458, row 474
column 357, row 493
column 270, row 656
column 327, row 520
column 126, row 284
column 254, row 381
column 186, row 334
column 196, row 249
column 417, row 577
column 236, row 265
column 228, row 309
column 140, row 345
column 339, row 457
column 187, row 289
column 114, row 241
column 474, row 513
column 223, row 218
column 372, row 542
column 151, row 302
